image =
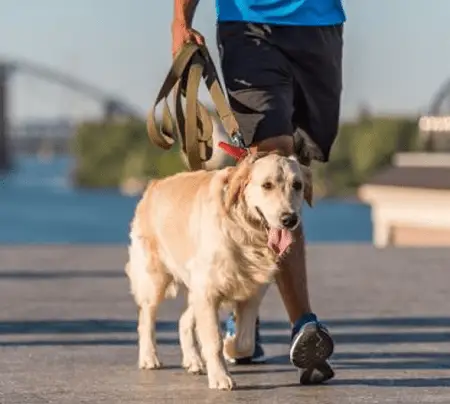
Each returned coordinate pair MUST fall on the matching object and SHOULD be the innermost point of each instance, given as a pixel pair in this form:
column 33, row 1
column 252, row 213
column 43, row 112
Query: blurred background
column 77, row 79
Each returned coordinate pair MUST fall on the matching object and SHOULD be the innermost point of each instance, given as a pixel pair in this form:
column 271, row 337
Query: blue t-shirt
column 282, row 12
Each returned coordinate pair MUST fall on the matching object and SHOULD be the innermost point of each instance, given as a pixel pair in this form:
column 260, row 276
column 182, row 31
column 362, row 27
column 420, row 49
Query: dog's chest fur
column 249, row 269
column 240, row 265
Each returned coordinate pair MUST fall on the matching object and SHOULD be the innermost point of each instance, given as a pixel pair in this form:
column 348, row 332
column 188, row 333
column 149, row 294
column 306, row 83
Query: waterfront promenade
column 68, row 331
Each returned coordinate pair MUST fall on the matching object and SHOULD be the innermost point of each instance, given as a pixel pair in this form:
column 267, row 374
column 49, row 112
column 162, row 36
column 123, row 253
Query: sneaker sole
column 311, row 347
column 317, row 375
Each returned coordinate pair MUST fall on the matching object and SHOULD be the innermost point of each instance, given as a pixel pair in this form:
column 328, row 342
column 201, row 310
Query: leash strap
column 192, row 126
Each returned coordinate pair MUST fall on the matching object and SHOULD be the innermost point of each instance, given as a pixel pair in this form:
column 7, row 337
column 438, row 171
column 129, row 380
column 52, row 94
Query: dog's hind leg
column 149, row 281
column 192, row 360
column 148, row 357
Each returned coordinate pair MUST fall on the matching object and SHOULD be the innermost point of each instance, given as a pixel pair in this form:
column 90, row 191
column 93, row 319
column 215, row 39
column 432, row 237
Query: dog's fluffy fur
column 207, row 230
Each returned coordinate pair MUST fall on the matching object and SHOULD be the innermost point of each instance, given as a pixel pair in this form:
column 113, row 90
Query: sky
column 396, row 52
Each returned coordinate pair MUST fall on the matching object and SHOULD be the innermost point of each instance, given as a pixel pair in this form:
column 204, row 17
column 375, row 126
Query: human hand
column 182, row 34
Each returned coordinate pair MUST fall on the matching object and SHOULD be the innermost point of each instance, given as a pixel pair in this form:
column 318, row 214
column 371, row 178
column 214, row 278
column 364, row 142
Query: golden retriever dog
column 219, row 234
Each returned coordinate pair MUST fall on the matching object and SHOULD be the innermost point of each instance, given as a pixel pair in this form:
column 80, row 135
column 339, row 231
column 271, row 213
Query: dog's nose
column 289, row 220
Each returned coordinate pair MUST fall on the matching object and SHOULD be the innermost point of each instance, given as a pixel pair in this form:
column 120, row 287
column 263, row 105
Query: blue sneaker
column 258, row 353
column 311, row 346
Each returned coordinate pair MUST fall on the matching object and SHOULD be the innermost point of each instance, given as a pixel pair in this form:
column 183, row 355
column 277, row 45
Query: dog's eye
column 297, row 185
column 267, row 185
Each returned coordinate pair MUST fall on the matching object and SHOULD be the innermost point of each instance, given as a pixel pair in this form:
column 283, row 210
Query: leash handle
column 192, row 127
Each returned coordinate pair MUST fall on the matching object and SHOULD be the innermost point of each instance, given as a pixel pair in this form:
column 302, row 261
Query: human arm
column 182, row 32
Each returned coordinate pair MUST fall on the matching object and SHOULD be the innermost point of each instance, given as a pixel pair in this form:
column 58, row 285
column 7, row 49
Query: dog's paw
column 194, row 365
column 149, row 362
column 220, row 381
column 233, row 349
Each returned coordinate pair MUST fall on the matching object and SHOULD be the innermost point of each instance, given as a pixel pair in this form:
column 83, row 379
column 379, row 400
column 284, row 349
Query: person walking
column 282, row 66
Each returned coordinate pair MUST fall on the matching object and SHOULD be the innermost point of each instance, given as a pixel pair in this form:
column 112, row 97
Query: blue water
column 39, row 205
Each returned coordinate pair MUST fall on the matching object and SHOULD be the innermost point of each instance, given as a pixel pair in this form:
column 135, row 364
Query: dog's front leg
column 242, row 343
column 191, row 357
column 207, row 325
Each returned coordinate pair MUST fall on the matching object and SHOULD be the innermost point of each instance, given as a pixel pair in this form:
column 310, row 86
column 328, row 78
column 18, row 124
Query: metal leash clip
column 238, row 141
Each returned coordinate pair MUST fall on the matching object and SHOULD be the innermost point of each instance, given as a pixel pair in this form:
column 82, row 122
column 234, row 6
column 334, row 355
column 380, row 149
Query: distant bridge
column 112, row 105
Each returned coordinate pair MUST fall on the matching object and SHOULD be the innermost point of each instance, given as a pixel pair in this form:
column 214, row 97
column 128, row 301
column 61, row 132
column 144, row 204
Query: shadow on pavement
column 383, row 361
column 45, row 275
column 422, row 382
column 414, row 330
column 419, row 382
column 105, row 325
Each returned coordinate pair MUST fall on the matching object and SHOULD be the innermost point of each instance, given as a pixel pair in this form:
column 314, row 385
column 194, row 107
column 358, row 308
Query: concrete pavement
column 68, row 331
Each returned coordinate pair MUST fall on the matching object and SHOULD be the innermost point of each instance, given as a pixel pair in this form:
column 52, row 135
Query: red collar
column 237, row 153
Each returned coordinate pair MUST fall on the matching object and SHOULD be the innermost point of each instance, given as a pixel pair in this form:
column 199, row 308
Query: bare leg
column 292, row 279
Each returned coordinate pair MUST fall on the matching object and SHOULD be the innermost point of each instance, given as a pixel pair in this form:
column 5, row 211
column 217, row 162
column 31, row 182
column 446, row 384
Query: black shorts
column 280, row 78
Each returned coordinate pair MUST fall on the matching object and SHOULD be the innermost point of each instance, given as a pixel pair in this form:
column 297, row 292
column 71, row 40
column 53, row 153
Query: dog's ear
column 237, row 181
column 308, row 184
column 239, row 178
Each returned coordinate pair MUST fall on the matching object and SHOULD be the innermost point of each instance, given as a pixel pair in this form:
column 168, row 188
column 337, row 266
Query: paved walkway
column 67, row 331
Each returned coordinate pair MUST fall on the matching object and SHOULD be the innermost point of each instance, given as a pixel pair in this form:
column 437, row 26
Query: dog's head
column 271, row 188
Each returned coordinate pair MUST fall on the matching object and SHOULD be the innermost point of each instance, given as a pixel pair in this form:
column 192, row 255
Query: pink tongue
column 279, row 240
